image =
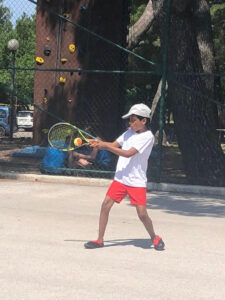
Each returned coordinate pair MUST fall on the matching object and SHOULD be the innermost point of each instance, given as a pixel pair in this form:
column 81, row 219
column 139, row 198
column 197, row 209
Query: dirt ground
column 8, row 163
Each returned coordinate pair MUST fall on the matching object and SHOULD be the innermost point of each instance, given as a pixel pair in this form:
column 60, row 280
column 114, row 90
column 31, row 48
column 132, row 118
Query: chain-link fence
column 73, row 65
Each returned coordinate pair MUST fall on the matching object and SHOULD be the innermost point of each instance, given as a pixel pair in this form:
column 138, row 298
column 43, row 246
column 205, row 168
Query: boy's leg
column 116, row 193
column 103, row 220
column 104, row 215
column 144, row 217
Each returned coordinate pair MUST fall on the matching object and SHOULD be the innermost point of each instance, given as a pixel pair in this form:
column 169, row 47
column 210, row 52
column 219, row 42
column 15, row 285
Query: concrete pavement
column 43, row 226
column 163, row 187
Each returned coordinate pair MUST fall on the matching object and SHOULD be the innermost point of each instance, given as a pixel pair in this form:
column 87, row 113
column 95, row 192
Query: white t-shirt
column 131, row 171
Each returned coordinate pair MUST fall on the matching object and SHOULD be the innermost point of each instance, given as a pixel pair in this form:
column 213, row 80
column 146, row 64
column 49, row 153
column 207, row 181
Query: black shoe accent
column 160, row 246
column 93, row 245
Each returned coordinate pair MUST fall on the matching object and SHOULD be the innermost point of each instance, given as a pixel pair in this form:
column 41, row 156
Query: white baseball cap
column 140, row 109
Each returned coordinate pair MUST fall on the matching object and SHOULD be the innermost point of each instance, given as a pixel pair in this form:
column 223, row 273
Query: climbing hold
column 62, row 79
column 47, row 50
column 39, row 60
column 63, row 60
column 45, row 100
column 72, row 48
column 45, row 130
column 66, row 15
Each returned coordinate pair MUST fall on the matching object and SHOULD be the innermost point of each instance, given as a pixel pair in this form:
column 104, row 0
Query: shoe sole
column 160, row 247
column 92, row 246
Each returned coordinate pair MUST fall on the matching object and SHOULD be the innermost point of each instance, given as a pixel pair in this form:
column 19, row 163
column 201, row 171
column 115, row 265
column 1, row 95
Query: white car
column 25, row 119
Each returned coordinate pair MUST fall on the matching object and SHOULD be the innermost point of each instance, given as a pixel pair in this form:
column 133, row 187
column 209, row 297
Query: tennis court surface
column 43, row 227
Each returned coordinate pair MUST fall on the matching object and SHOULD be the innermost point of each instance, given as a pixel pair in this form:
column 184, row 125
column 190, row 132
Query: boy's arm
column 115, row 148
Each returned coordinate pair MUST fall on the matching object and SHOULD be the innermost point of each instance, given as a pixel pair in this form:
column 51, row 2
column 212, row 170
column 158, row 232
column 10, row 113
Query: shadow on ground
column 188, row 205
column 140, row 243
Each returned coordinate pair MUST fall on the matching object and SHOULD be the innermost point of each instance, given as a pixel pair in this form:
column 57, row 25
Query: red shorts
column 117, row 191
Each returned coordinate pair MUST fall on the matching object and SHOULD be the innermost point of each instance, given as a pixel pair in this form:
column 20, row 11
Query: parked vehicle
column 25, row 119
column 5, row 121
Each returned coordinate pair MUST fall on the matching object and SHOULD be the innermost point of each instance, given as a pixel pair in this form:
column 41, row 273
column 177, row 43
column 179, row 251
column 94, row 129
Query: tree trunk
column 190, row 51
column 101, row 101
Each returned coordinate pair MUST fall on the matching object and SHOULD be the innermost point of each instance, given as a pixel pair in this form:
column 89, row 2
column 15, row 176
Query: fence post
column 163, row 88
column 13, row 45
column 12, row 96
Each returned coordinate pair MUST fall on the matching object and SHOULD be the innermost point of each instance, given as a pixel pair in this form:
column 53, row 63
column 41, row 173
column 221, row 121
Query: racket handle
column 93, row 142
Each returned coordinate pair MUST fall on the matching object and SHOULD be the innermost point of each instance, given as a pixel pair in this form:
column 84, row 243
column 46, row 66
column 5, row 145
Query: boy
column 133, row 148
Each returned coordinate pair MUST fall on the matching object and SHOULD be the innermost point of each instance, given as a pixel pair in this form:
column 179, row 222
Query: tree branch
column 156, row 98
column 140, row 27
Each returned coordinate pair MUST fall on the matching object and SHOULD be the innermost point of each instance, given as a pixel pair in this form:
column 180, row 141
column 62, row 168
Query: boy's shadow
column 140, row 243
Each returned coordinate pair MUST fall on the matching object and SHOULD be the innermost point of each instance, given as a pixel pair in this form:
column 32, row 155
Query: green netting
column 94, row 85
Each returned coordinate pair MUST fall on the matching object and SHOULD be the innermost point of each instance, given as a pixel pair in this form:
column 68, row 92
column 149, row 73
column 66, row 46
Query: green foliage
column 5, row 16
column 137, row 8
column 5, row 36
column 24, row 32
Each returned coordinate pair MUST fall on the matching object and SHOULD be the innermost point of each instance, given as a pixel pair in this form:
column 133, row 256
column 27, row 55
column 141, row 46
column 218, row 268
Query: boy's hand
column 98, row 144
column 101, row 145
column 93, row 142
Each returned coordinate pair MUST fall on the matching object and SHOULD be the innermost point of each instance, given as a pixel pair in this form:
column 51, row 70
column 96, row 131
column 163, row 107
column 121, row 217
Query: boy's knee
column 142, row 217
column 142, row 214
column 107, row 203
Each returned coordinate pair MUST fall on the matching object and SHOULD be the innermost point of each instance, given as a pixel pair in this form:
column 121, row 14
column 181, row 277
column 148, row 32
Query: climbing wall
column 84, row 98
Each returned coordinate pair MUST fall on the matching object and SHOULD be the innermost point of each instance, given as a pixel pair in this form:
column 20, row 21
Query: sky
column 18, row 7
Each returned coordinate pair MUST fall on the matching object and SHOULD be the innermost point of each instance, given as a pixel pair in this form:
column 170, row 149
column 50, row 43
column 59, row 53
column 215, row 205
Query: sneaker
column 158, row 243
column 93, row 245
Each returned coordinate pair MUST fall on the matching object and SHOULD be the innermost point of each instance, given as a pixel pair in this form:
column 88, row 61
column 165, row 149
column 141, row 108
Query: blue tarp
column 53, row 160
column 31, row 151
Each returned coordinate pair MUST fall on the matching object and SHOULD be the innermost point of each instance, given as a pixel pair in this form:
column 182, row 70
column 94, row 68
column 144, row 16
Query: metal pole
column 163, row 88
column 12, row 95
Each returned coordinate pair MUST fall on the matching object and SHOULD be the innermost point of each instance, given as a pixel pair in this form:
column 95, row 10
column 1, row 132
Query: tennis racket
column 67, row 137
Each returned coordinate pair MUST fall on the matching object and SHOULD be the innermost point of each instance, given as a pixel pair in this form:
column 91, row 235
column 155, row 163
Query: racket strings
column 62, row 136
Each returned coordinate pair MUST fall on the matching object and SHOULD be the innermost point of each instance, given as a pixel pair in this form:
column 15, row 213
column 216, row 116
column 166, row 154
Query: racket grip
column 93, row 142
